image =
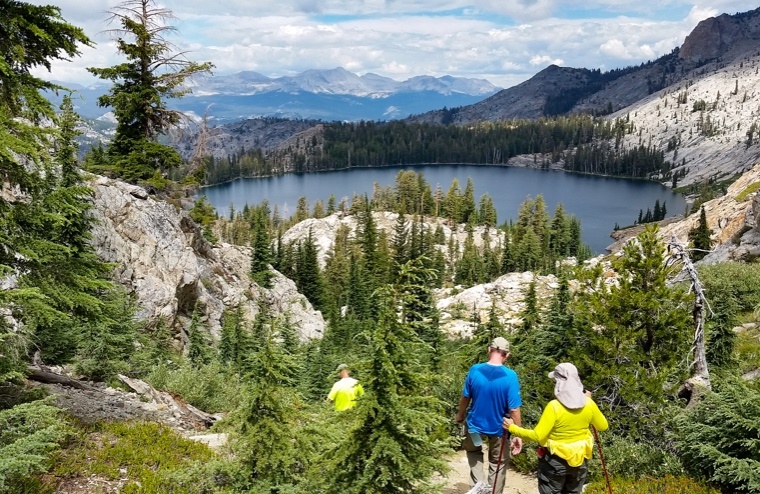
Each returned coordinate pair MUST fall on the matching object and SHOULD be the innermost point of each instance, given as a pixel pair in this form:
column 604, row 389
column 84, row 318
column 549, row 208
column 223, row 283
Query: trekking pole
column 504, row 440
column 601, row 457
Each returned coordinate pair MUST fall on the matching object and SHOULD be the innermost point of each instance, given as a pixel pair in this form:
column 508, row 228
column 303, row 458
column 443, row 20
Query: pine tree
column 32, row 37
column 391, row 447
column 633, row 335
column 151, row 75
column 719, row 438
column 267, row 421
column 700, row 237
column 197, row 345
column 530, row 313
column 308, row 275
column 261, row 253
column 469, row 211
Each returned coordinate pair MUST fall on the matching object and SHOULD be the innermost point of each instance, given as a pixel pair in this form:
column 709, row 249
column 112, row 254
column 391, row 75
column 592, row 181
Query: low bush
column 651, row 485
column 29, row 434
column 627, row 458
column 211, row 387
column 719, row 437
column 146, row 453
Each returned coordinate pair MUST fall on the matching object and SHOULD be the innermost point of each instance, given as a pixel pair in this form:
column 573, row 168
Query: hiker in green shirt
column 345, row 391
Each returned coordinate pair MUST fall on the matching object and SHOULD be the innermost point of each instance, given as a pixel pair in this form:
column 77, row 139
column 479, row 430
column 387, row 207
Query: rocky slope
column 716, row 68
column 733, row 218
column 162, row 257
column 458, row 306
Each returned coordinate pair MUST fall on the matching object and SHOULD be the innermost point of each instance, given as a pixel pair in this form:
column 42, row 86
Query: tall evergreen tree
column 700, row 237
column 308, row 274
column 261, row 252
column 391, row 447
column 152, row 74
column 31, row 37
column 634, row 335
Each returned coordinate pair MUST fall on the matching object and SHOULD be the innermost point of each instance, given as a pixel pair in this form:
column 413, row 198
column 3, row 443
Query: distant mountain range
column 329, row 95
column 698, row 105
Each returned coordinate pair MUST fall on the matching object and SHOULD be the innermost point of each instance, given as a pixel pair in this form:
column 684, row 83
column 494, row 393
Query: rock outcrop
column 734, row 219
column 162, row 257
column 324, row 230
column 714, row 37
column 460, row 307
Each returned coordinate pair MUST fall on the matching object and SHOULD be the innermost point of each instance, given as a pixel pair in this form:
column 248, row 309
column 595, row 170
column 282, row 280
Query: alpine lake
column 599, row 202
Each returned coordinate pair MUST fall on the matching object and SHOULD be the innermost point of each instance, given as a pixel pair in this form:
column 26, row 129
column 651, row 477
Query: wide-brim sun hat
column 568, row 388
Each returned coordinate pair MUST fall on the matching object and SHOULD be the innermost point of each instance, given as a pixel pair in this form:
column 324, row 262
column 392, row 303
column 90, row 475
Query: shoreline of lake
column 598, row 201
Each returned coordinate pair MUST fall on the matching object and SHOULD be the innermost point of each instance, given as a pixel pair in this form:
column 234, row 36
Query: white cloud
column 504, row 42
column 544, row 60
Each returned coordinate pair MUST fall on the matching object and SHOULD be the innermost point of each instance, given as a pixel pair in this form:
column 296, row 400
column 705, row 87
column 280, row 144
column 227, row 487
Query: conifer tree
column 400, row 248
column 31, row 37
column 261, row 252
column 469, row 211
column 700, row 237
column 530, row 313
column 197, row 345
column 153, row 73
column 267, row 421
column 390, row 448
column 487, row 215
column 308, row 274
column 634, row 335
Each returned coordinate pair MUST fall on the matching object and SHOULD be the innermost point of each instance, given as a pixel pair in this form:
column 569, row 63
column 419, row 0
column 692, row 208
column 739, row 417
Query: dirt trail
column 457, row 481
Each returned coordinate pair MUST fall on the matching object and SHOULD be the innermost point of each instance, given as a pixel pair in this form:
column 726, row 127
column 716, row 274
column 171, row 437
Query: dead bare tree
column 700, row 376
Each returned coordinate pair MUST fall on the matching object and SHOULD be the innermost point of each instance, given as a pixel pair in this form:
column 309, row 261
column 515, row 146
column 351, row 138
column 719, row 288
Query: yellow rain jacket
column 565, row 432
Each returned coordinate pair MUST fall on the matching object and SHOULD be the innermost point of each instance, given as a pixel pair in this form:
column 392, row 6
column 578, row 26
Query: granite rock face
column 733, row 218
column 161, row 256
column 715, row 36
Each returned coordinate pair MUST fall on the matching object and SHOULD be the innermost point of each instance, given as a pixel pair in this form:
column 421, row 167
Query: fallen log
column 47, row 377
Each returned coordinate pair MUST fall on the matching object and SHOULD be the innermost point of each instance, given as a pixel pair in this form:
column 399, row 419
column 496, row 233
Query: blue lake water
column 599, row 202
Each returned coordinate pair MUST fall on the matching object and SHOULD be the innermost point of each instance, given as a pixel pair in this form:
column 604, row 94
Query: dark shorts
column 555, row 476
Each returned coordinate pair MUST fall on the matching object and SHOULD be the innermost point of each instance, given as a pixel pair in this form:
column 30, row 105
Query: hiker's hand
column 516, row 445
column 460, row 418
column 507, row 422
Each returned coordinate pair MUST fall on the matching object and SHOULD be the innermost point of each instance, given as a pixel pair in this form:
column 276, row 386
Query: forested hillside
column 73, row 339
column 579, row 143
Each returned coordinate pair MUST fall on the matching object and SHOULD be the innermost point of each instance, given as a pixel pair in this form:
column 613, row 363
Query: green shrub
column 29, row 434
column 651, row 485
column 748, row 350
column 211, row 387
column 628, row 458
column 719, row 437
column 146, row 453
column 753, row 187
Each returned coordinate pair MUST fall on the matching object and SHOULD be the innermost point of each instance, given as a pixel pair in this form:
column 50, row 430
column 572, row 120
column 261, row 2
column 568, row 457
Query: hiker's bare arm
column 516, row 443
column 514, row 413
column 464, row 402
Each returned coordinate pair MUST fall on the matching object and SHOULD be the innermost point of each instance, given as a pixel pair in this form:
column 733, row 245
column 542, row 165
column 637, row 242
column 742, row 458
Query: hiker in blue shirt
column 491, row 391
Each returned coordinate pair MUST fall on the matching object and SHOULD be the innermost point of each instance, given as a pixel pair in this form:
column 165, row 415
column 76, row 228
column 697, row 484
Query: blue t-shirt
column 494, row 390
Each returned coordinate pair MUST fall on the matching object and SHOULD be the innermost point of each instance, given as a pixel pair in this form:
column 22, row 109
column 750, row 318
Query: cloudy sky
column 504, row 41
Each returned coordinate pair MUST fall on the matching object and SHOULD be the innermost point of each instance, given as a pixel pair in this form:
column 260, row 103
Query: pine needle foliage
column 153, row 72
column 267, row 421
column 633, row 336
column 28, row 434
column 719, row 438
column 390, row 448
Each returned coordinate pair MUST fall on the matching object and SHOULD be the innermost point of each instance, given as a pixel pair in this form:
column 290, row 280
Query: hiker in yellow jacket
column 566, row 443
column 345, row 391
